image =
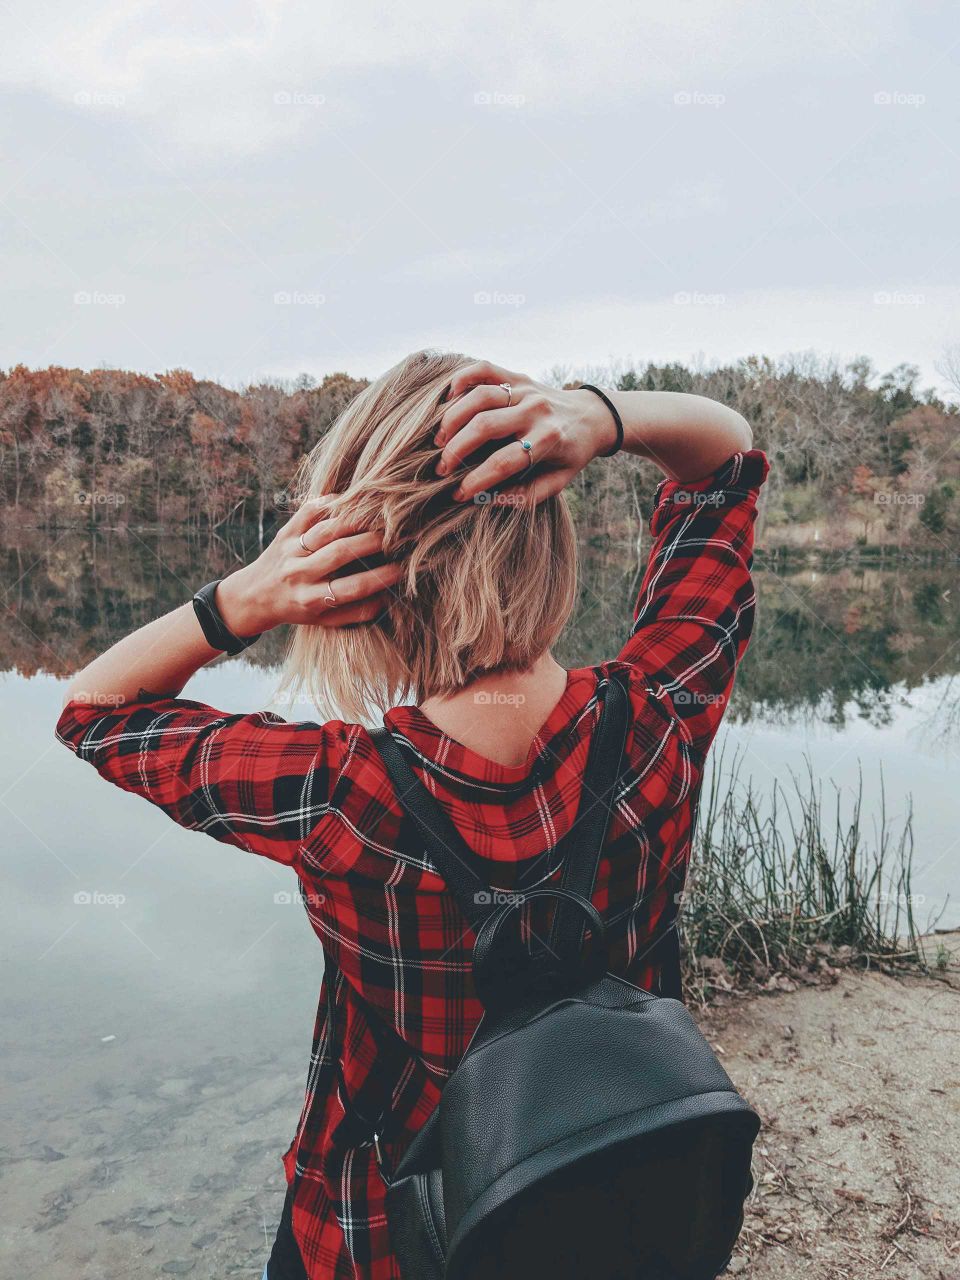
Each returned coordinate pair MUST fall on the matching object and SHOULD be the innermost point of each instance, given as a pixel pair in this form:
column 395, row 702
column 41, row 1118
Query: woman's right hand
column 566, row 430
column 289, row 584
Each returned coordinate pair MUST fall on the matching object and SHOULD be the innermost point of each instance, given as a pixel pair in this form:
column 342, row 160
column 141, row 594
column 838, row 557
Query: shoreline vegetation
column 789, row 886
column 864, row 463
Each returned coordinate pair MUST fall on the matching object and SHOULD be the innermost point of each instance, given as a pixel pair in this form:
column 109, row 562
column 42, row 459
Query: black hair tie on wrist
column 617, row 420
column 215, row 631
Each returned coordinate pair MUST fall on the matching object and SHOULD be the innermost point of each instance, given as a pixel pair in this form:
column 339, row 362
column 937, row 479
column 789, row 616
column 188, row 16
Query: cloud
column 207, row 79
column 579, row 169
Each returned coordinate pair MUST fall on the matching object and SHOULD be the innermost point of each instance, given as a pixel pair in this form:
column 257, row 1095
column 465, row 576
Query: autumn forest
column 860, row 460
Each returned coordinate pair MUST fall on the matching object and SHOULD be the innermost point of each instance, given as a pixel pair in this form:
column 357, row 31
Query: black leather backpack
column 589, row 1130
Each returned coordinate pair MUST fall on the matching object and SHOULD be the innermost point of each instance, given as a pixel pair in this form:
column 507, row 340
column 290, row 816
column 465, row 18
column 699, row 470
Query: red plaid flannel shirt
column 316, row 797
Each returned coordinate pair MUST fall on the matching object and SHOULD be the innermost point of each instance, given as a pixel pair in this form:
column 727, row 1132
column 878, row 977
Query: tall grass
column 785, row 878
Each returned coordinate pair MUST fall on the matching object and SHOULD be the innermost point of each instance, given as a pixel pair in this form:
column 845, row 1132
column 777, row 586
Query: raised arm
column 695, row 607
column 288, row 582
column 686, row 436
column 254, row 780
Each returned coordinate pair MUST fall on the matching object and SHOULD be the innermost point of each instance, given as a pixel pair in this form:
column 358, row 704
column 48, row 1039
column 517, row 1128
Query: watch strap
column 215, row 631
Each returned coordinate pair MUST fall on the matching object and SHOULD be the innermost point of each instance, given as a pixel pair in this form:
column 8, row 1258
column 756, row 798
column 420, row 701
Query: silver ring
column 527, row 447
column 505, row 386
column 306, row 549
column 328, row 596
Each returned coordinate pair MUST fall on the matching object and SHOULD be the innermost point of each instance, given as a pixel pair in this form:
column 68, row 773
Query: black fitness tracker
column 215, row 631
column 617, row 420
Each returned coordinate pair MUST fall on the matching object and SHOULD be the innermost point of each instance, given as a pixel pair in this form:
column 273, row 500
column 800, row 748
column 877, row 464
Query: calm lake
column 191, row 991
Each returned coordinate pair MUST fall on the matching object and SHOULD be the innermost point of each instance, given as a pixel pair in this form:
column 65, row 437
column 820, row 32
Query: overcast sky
column 258, row 189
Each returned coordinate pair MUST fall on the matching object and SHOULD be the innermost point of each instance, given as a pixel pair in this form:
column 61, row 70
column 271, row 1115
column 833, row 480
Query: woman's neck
column 498, row 715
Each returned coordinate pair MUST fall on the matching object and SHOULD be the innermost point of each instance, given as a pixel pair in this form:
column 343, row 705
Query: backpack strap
column 668, row 952
column 667, row 948
column 582, row 844
column 448, row 850
column 580, row 847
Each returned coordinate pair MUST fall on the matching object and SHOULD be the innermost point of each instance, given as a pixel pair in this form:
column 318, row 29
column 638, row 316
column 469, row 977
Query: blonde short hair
column 488, row 586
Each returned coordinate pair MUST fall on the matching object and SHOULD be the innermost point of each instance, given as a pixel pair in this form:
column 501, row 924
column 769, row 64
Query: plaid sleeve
column 695, row 608
column 254, row 781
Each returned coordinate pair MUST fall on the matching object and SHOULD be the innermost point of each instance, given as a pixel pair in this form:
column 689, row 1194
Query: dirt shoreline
column 858, row 1164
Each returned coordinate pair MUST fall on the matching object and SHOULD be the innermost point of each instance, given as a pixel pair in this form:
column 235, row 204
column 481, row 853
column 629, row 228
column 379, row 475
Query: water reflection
column 850, row 666
column 830, row 644
column 155, row 1037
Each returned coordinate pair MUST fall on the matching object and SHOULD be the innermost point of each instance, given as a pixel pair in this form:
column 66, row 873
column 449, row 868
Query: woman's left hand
column 565, row 431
